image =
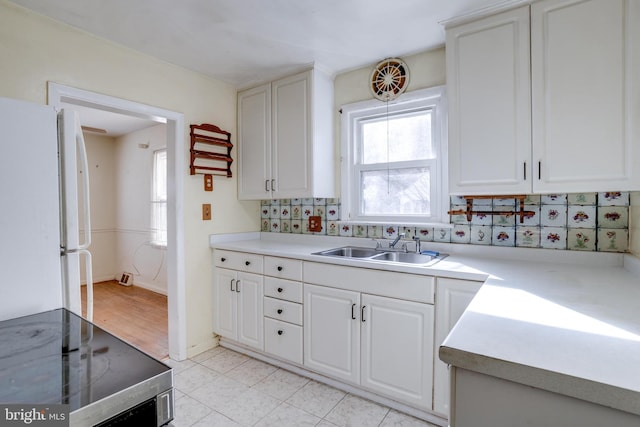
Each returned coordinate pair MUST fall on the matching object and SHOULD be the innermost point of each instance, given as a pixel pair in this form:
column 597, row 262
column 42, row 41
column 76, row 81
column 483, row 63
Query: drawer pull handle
column 280, row 290
column 238, row 286
column 247, row 263
column 353, row 307
column 279, row 311
column 279, row 268
column 223, row 259
column 362, row 313
column 280, row 332
column 232, row 280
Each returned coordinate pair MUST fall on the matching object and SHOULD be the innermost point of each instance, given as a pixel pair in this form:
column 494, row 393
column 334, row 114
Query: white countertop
column 573, row 330
column 563, row 321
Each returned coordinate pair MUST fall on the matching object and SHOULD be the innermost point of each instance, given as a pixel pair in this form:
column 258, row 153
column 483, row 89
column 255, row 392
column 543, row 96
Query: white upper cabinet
column 254, row 146
column 585, row 101
column 285, row 133
column 581, row 117
column 489, row 105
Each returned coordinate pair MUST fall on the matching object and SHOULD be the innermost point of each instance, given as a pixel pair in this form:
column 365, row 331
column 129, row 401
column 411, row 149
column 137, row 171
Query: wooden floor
column 133, row 314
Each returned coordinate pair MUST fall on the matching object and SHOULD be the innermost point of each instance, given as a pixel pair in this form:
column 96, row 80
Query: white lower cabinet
column 452, row 298
column 380, row 343
column 237, row 297
column 238, row 300
column 376, row 330
column 396, row 353
column 332, row 332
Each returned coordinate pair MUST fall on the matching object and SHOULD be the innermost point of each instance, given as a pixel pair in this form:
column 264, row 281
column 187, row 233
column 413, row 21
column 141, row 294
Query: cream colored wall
column 101, row 159
column 133, row 181
column 35, row 50
column 426, row 69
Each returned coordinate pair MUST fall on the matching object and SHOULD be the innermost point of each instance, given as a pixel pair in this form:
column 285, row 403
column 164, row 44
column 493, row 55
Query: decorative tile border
column 576, row 221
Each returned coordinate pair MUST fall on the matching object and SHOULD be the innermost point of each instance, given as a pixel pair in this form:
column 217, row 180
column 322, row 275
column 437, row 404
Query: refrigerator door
column 74, row 194
column 29, row 214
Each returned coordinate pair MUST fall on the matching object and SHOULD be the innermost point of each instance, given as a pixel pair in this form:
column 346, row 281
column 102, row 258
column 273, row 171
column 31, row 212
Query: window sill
column 402, row 224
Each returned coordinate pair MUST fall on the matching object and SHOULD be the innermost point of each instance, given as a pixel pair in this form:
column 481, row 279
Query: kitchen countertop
column 563, row 321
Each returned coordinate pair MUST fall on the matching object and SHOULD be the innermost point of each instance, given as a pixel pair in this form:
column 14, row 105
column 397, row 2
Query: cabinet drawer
column 283, row 289
column 283, row 339
column 283, row 310
column 250, row 263
column 283, row 268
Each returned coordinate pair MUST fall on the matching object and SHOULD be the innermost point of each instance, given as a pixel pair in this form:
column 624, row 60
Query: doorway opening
column 173, row 256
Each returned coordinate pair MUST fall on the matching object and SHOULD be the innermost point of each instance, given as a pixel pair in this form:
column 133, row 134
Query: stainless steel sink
column 407, row 257
column 350, row 252
column 370, row 254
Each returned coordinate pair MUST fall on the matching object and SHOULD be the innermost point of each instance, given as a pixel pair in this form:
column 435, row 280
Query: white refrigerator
column 42, row 156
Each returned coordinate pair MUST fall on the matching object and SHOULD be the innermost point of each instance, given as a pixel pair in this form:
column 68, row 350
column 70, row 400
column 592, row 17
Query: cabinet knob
column 280, row 268
column 280, row 289
column 247, row 263
column 280, row 332
column 223, row 259
column 279, row 311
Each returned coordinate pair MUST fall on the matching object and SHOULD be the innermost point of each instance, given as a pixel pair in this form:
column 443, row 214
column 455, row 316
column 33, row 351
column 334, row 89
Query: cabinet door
column 332, row 332
column 584, row 87
column 254, row 143
column 249, row 290
column 397, row 349
column 224, row 300
column 452, row 298
column 488, row 81
column 291, row 118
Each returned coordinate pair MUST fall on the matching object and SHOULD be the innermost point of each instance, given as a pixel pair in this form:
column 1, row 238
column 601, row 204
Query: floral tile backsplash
column 577, row 221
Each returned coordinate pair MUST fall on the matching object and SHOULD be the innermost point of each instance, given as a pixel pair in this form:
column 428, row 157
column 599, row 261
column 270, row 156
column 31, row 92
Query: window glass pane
column 409, row 138
column 396, row 192
column 159, row 223
column 159, row 199
column 160, row 175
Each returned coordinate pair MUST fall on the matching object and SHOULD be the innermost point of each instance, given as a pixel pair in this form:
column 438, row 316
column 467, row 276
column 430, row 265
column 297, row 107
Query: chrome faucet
column 417, row 240
column 393, row 244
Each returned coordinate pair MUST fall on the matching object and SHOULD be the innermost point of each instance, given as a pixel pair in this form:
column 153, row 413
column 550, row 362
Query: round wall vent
column 389, row 78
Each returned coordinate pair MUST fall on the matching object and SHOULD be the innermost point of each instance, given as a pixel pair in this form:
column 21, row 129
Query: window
column 159, row 199
column 392, row 159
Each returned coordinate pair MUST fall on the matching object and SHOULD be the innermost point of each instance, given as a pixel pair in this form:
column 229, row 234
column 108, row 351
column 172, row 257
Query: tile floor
column 221, row 387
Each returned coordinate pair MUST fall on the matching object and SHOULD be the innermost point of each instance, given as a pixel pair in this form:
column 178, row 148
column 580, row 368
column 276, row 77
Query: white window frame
column 158, row 227
column 433, row 99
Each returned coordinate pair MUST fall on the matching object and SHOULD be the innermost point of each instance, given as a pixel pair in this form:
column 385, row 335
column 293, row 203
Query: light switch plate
column 206, row 211
column 208, row 182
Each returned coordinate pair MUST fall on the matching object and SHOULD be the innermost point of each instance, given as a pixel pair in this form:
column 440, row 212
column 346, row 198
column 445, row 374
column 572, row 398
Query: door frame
column 176, row 302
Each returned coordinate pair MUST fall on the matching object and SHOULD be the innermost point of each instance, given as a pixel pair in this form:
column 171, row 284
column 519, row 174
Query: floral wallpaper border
column 574, row 221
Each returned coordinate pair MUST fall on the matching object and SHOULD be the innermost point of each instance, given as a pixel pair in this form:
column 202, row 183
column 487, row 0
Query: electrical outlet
column 206, row 212
column 208, row 182
column 315, row 224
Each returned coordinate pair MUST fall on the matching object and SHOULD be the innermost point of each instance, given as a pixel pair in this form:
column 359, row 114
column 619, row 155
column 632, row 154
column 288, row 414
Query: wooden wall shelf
column 210, row 150
column 469, row 212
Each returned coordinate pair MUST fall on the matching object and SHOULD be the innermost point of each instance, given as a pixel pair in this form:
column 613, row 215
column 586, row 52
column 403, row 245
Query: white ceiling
column 246, row 42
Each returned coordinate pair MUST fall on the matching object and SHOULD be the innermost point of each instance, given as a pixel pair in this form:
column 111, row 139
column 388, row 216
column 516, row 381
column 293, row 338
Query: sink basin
column 370, row 254
column 350, row 252
column 406, row 257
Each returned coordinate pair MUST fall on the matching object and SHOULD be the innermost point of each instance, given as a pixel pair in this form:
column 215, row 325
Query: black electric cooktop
column 57, row 357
